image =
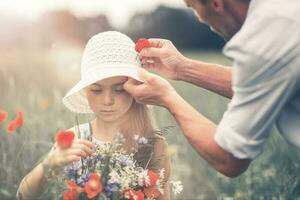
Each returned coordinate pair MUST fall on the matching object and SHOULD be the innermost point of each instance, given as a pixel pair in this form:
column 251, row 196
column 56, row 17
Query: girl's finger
column 72, row 158
column 77, row 152
column 83, row 147
column 86, row 142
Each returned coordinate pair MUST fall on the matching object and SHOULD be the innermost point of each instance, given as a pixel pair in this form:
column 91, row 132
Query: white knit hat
column 106, row 55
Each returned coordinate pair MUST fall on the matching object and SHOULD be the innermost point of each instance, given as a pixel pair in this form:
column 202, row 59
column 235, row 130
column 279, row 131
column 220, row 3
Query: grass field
column 31, row 81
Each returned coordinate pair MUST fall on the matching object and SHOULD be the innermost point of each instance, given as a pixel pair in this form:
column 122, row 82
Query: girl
column 109, row 59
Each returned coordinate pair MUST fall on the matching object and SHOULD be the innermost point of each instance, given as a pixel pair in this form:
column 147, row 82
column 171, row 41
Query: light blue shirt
column 266, row 79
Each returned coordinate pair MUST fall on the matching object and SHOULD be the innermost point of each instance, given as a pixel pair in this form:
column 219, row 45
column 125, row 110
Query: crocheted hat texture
column 106, row 55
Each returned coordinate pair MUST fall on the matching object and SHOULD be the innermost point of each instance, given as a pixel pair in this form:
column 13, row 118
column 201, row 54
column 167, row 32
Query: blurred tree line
column 179, row 25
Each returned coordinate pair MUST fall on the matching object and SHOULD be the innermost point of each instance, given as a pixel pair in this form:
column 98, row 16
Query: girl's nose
column 108, row 98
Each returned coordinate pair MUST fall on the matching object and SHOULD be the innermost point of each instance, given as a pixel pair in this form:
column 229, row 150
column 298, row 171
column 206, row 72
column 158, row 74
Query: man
column 264, row 82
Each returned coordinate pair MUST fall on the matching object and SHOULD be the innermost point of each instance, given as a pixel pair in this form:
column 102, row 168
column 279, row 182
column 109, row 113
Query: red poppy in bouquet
column 73, row 192
column 133, row 195
column 150, row 183
column 142, row 43
column 64, row 139
column 152, row 179
column 73, row 186
column 93, row 187
column 70, row 195
column 152, row 192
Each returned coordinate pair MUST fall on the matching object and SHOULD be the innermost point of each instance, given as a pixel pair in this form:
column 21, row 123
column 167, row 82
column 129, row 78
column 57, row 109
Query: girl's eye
column 119, row 90
column 95, row 90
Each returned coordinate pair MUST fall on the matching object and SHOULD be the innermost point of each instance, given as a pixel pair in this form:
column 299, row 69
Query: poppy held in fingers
column 142, row 43
column 3, row 116
column 65, row 139
column 93, row 187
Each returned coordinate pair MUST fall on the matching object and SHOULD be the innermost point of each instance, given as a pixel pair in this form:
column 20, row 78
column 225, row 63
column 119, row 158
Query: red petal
column 72, row 185
column 19, row 120
column 142, row 43
column 93, row 187
column 65, row 139
column 153, row 177
column 152, row 192
column 12, row 127
column 3, row 116
column 134, row 195
column 70, row 195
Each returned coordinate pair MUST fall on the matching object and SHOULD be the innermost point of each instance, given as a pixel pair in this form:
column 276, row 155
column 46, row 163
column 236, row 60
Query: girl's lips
column 107, row 111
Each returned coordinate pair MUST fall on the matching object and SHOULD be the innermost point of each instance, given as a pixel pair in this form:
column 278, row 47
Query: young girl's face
column 108, row 100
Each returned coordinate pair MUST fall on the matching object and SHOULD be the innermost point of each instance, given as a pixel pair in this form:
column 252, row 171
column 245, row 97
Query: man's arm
column 197, row 129
column 200, row 133
column 213, row 77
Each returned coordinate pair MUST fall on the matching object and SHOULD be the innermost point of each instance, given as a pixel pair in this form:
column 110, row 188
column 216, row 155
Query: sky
column 117, row 11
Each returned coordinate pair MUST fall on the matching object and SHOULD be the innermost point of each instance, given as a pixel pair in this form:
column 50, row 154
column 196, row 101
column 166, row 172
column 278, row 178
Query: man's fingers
column 156, row 42
column 130, row 85
column 151, row 52
column 145, row 75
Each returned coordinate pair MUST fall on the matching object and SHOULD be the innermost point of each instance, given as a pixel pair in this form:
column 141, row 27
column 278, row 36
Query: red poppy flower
column 3, row 116
column 65, row 139
column 70, row 195
column 19, row 120
column 142, row 43
column 12, row 127
column 152, row 192
column 134, row 195
column 153, row 178
column 93, row 187
column 72, row 185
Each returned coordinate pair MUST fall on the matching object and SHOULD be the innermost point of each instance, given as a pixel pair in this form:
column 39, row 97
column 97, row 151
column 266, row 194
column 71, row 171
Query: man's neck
column 238, row 10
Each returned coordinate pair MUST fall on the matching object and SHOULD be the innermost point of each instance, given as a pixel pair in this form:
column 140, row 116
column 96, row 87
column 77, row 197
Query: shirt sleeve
column 263, row 82
column 261, row 88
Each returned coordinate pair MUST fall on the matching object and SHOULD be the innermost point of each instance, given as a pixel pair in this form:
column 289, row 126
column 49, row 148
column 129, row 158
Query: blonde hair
column 139, row 121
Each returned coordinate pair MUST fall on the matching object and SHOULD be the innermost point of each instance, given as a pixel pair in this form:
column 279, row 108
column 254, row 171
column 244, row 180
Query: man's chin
column 218, row 33
column 225, row 37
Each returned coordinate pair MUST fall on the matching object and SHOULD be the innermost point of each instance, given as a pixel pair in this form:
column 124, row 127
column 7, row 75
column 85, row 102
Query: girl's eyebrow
column 121, row 83
column 96, row 84
column 117, row 84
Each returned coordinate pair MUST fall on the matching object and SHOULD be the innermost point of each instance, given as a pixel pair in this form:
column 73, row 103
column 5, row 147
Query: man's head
column 225, row 17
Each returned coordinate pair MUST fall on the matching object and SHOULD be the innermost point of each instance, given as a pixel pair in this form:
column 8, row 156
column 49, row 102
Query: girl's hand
column 58, row 157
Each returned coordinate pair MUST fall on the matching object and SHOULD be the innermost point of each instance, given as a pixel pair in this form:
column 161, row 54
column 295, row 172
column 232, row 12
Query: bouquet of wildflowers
column 112, row 173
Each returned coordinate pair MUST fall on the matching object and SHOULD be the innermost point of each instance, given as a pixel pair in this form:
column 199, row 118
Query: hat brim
column 75, row 99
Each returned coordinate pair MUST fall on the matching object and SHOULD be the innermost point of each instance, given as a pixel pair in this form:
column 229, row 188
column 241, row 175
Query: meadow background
column 40, row 61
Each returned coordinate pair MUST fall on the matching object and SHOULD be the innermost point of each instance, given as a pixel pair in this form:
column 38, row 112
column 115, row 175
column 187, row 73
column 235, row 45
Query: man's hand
column 162, row 57
column 154, row 89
